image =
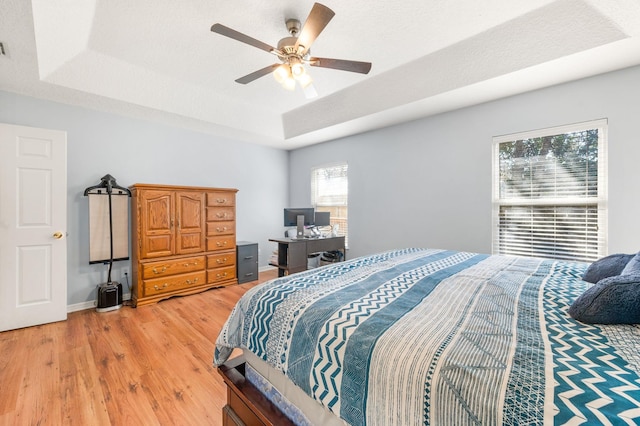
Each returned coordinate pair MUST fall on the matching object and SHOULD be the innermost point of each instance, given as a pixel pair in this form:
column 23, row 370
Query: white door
column 33, row 221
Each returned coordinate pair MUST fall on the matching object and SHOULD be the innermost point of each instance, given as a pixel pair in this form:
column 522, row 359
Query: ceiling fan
column 294, row 52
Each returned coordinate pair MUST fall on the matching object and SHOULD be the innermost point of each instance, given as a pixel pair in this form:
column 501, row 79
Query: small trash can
column 313, row 260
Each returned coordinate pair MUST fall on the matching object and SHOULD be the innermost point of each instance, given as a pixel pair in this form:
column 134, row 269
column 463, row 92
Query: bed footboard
column 245, row 404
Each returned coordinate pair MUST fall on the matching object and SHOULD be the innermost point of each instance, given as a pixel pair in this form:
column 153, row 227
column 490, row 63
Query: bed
column 428, row 336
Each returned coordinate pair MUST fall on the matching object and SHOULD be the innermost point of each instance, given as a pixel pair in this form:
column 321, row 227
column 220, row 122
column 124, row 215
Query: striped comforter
column 423, row 336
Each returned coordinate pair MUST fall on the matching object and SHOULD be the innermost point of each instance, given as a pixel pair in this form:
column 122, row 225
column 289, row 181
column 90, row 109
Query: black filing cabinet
column 247, row 261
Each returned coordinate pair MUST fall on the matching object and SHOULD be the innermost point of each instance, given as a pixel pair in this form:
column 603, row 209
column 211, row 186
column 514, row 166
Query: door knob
column 57, row 235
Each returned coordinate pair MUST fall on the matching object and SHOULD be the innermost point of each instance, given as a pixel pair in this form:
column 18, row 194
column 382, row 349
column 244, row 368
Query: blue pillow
column 606, row 267
column 633, row 266
column 613, row 300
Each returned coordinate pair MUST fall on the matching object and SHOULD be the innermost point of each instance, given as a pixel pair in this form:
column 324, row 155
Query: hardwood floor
column 143, row 366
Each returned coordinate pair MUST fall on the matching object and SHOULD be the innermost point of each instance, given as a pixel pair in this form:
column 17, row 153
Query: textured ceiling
column 158, row 59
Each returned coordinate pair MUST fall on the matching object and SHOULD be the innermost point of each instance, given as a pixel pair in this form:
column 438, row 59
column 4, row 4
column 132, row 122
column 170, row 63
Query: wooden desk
column 293, row 253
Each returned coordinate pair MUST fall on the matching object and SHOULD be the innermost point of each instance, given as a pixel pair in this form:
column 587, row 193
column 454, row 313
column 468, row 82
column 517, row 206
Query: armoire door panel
column 190, row 206
column 190, row 230
column 159, row 209
column 190, row 243
column 158, row 245
column 157, row 231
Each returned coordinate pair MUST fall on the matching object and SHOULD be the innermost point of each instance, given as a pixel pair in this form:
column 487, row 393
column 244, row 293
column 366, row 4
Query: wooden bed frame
column 245, row 404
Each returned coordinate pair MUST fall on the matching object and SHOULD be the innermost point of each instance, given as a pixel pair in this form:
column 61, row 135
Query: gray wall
column 428, row 183
column 137, row 151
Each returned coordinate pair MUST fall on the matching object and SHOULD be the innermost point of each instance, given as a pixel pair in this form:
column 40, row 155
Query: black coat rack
column 108, row 183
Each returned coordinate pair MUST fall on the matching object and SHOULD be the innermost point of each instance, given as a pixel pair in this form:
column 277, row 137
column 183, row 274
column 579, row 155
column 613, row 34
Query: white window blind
column 330, row 193
column 549, row 193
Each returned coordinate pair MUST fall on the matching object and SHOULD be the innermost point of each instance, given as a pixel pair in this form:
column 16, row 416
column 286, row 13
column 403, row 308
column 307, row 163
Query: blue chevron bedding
column 424, row 336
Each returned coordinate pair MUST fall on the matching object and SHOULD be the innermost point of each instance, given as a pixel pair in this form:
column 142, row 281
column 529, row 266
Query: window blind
column 550, row 193
column 330, row 193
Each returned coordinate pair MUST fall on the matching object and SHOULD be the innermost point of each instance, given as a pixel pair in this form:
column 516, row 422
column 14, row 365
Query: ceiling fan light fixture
column 289, row 83
column 282, row 73
column 297, row 70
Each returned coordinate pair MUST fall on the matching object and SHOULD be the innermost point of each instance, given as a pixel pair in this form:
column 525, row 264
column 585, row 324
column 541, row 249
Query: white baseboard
column 81, row 306
column 91, row 304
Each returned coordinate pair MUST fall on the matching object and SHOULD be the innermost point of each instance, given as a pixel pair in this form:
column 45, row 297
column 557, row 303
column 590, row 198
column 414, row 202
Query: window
column 329, row 193
column 549, row 193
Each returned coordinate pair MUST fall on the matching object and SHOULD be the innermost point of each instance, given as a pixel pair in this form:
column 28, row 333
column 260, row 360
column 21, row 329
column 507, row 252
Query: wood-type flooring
column 150, row 365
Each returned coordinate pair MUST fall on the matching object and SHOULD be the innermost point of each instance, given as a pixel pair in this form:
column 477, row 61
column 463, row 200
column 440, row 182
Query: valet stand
column 109, row 293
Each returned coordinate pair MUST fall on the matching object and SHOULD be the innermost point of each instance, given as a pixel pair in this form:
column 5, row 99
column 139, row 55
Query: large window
column 329, row 193
column 549, row 193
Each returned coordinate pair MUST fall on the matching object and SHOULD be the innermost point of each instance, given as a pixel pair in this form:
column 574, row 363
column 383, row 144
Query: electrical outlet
column 124, row 272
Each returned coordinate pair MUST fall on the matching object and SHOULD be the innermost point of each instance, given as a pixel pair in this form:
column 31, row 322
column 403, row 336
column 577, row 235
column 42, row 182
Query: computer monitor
column 291, row 216
column 322, row 219
column 299, row 218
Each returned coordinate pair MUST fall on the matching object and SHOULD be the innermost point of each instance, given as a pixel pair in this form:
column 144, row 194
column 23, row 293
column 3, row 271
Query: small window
column 329, row 193
column 549, row 193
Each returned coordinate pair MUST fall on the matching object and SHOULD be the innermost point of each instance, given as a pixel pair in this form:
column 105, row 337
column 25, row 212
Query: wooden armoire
column 183, row 240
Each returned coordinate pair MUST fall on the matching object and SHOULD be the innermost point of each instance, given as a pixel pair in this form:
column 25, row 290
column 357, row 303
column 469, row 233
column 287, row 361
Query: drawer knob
column 221, row 243
column 186, row 265
column 165, row 285
column 195, row 280
column 221, row 275
column 223, row 229
column 221, row 200
column 221, row 215
column 221, row 261
column 155, row 271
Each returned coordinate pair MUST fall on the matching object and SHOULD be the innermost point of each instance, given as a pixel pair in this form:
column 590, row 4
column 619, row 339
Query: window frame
column 344, row 230
column 600, row 201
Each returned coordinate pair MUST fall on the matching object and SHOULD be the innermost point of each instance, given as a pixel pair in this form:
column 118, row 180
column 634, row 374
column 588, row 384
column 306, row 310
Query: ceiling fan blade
column 228, row 32
column 257, row 74
column 341, row 64
column 318, row 18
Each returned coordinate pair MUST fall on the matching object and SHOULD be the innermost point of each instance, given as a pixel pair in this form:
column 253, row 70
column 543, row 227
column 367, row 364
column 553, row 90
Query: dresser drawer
column 215, row 214
column 221, row 228
column 221, row 260
column 221, row 274
column 221, row 199
column 173, row 283
column 224, row 242
column 172, row 267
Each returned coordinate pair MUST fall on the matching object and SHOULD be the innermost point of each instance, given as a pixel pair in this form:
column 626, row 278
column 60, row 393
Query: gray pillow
column 633, row 266
column 606, row 267
column 613, row 300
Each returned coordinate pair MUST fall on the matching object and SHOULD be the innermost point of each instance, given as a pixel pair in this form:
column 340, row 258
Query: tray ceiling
column 158, row 60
